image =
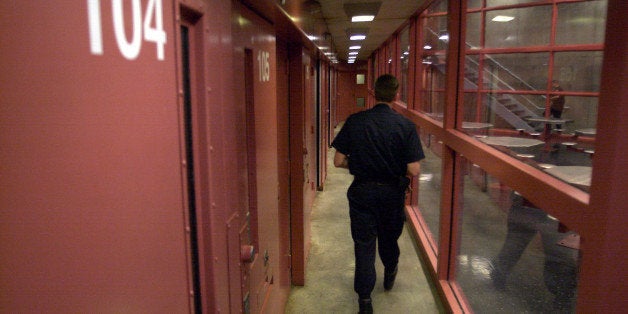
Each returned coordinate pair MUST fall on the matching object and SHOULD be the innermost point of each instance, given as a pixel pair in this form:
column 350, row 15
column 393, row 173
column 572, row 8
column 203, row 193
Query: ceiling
column 391, row 15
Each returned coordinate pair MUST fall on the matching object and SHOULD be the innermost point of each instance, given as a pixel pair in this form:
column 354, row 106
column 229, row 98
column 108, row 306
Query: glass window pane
column 435, row 31
column 474, row 4
column 513, row 257
column 529, row 26
column 578, row 70
column 511, row 92
column 389, row 57
column 431, row 76
column 474, row 21
column 437, row 7
column 360, row 102
column 495, row 3
column 471, row 72
column 581, row 23
column 568, row 160
column 583, row 112
column 429, row 191
column 432, row 93
column 360, row 78
column 375, row 70
column 404, row 57
column 516, row 71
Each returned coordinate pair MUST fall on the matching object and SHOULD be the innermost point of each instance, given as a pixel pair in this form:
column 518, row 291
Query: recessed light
column 357, row 37
column 354, row 47
column 503, row 18
column 362, row 18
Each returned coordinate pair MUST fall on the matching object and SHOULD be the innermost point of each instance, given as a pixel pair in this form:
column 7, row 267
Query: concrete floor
column 329, row 271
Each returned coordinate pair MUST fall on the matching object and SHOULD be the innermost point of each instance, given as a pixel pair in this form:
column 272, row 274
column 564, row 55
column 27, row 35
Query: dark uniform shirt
column 557, row 101
column 379, row 143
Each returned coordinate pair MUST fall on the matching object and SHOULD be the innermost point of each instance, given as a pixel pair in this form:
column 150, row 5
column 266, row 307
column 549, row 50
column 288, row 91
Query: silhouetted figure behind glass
column 557, row 103
column 560, row 263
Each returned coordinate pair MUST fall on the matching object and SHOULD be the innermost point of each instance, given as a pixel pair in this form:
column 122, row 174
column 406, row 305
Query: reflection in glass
column 432, row 48
column 513, row 256
column 404, row 57
column 581, row 23
column 429, row 191
column 529, row 26
column 472, row 4
column 578, row 70
column 495, row 3
column 510, row 93
column 583, row 112
column 568, row 161
column 474, row 21
column 516, row 71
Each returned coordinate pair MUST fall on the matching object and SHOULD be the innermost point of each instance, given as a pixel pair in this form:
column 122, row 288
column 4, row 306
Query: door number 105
column 130, row 49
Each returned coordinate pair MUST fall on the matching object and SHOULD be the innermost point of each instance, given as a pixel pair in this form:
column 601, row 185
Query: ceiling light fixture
column 362, row 12
column 357, row 33
column 362, row 18
column 354, row 47
column 503, row 18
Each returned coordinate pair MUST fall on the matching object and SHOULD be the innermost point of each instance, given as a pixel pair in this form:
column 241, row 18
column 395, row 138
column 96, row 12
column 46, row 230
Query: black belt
column 391, row 181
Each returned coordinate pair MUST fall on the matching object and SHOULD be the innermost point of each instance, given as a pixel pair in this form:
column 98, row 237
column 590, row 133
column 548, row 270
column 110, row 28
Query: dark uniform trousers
column 377, row 214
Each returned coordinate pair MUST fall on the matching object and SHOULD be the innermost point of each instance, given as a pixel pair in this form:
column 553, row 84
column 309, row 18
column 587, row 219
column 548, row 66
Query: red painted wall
column 93, row 195
column 91, row 190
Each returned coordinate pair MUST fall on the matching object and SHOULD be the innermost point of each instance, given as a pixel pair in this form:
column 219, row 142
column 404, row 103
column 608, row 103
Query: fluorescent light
column 362, row 18
column 427, row 47
column 353, row 53
column 503, row 18
column 354, row 47
column 357, row 37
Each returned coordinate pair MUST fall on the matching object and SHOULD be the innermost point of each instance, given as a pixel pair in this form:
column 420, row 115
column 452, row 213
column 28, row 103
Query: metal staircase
column 515, row 109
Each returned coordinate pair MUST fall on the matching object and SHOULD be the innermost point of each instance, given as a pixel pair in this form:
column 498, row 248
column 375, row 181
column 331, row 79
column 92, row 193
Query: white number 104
column 129, row 49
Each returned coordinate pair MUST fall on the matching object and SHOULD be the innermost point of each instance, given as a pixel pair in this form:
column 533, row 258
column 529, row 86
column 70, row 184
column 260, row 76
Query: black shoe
column 389, row 279
column 366, row 306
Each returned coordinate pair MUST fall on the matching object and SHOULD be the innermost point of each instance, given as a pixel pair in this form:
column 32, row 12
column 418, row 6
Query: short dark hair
column 386, row 88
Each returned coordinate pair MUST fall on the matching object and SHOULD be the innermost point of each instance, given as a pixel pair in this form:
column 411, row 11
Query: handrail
column 508, row 86
column 502, row 67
